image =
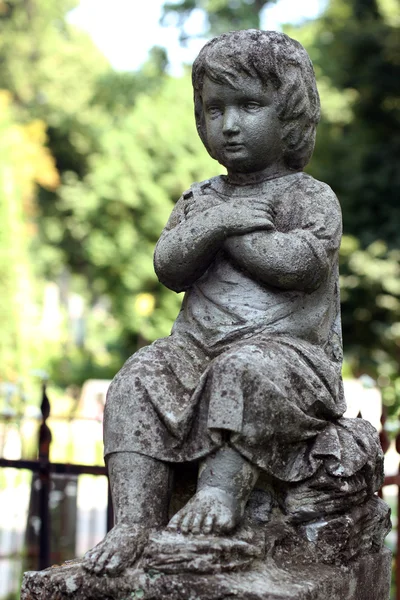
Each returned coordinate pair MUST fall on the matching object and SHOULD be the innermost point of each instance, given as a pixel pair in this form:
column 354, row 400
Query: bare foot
column 211, row 510
column 119, row 550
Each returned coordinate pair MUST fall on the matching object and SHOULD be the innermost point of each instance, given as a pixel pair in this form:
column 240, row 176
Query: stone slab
column 365, row 579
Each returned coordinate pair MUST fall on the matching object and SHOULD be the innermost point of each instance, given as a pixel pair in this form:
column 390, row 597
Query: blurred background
column 97, row 143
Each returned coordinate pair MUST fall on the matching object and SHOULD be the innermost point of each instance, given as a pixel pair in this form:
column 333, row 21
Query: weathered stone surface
column 171, row 552
column 248, row 385
column 264, row 560
column 337, row 539
column 364, row 579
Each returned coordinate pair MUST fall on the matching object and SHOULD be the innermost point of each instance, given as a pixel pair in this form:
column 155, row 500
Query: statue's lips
column 233, row 146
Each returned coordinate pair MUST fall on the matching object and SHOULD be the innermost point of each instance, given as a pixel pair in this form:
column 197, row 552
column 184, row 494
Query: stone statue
column 248, row 385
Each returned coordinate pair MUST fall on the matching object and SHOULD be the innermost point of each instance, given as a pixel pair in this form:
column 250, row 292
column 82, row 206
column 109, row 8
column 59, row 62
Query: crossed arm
column 192, row 238
column 297, row 260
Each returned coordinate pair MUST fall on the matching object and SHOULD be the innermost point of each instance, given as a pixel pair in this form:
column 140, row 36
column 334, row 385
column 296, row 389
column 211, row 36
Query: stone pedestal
column 341, row 557
column 365, row 579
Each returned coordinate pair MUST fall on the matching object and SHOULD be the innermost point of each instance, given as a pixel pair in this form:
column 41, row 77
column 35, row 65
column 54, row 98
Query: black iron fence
column 46, row 478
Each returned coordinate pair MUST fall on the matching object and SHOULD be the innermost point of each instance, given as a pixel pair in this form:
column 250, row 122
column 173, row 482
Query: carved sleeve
column 298, row 259
column 186, row 247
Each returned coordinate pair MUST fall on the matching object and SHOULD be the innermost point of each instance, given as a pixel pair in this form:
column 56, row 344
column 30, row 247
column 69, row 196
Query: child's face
column 242, row 127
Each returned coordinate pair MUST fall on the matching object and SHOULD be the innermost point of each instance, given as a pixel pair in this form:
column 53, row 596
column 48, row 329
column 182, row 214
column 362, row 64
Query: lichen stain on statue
column 248, row 385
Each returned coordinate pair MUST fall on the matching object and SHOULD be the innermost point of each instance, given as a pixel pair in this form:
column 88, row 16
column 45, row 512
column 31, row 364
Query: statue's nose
column 231, row 120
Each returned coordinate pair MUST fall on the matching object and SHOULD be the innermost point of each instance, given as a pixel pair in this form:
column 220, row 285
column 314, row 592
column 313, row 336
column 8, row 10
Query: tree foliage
column 45, row 63
column 122, row 161
column 24, row 162
column 358, row 49
column 220, row 15
column 142, row 166
column 355, row 47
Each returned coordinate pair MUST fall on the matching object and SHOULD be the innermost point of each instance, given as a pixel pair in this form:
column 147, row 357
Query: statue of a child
column 250, row 378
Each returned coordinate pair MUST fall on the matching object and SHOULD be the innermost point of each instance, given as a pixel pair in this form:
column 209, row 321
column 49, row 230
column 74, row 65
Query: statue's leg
column 140, row 493
column 225, row 482
column 250, row 394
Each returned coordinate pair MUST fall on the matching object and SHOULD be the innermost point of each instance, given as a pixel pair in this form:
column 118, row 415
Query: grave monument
column 233, row 471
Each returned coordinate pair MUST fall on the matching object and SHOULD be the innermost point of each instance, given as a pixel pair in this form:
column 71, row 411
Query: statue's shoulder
column 318, row 194
column 199, row 188
column 315, row 187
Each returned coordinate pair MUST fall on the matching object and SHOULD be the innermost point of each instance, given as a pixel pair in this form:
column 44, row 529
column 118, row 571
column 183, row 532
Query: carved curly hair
column 274, row 58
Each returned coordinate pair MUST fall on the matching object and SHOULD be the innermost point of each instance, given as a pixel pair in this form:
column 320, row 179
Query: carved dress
column 254, row 363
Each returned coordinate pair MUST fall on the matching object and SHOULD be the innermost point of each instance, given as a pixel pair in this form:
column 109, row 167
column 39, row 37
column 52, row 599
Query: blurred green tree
column 219, row 15
column 146, row 159
column 122, row 162
column 24, row 162
column 46, row 64
column 121, row 167
column 355, row 47
column 49, row 69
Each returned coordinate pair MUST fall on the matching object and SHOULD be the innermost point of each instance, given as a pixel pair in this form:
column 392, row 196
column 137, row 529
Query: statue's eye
column 214, row 111
column 251, row 105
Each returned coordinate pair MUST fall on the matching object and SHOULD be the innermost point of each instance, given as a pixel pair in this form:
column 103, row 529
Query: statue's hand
column 240, row 217
column 234, row 217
